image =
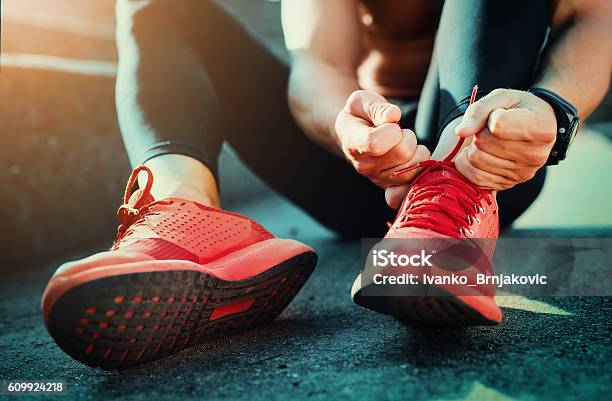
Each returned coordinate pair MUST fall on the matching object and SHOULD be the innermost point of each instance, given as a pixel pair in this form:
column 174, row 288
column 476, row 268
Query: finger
column 511, row 170
column 395, row 195
column 479, row 177
column 372, row 107
column 506, row 149
column 363, row 140
column 400, row 153
column 477, row 114
column 382, row 139
column 387, row 176
column 521, row 152
column 521, row 125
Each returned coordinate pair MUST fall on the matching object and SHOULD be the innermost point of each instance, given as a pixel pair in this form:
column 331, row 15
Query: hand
column 374, row 143
column 513, row 133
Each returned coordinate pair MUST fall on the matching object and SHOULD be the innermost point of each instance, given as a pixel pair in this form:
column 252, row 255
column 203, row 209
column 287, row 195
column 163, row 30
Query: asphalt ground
column 325, row 347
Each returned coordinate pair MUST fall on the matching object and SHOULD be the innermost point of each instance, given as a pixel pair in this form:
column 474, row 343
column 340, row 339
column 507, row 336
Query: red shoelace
column 137, row 207
column 419, row 200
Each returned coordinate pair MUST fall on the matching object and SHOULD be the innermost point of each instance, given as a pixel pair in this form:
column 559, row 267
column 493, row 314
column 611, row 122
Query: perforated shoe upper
column 176, row 228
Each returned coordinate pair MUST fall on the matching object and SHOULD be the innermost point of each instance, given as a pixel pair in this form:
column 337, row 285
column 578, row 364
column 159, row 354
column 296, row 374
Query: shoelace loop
column 129, row 212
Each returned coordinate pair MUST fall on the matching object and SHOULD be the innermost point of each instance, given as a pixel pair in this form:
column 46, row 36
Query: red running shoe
column 442, row 203
column 178, row 273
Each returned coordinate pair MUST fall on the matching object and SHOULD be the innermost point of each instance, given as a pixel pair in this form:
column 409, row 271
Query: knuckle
column 531, row 158
column 406, row 151
column 361, row 145
column 479, row 144
column 371, row 146
column 367, row 144
column 499, row 92
column 352, row 148
column 516, row 175
column 500, row 124
column 505, row 93
column 355, row 99
column 527, row 175
column 497, row 126
column 475, row 110
column 482, row 146
column 547, row 135
column 410, row 137
column 422, row 152
column 482, row 140
column 537, row 159
column 543, row 157
column 475, row 158
column 366, row 169
column 477, row 178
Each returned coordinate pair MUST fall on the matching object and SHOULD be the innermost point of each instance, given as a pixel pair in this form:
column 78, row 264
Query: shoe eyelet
column 465, row 231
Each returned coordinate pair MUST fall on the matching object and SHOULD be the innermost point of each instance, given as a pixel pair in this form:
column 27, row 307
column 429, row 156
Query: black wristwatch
column 567, row 123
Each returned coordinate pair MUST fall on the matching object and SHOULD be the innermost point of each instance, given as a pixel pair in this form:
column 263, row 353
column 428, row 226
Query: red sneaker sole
column 122, row 320
column 438, row 307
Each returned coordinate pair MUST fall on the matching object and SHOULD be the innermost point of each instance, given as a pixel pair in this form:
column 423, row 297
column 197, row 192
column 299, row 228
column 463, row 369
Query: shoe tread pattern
column 125, row 320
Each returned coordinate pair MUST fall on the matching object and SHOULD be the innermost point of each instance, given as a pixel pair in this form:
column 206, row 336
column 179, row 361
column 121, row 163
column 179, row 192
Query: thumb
column 477, row 114
column 384, row 113
column 373, row 107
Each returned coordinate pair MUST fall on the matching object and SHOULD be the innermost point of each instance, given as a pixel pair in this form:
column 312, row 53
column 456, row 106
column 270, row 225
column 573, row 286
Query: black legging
column 201, row 78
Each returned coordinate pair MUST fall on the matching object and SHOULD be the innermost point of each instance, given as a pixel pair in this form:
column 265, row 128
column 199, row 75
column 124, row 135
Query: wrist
column 567, row 120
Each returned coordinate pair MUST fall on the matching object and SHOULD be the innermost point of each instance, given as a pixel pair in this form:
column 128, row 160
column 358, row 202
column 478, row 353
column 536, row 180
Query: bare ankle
column 185, row 191
column 182, row 177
